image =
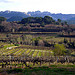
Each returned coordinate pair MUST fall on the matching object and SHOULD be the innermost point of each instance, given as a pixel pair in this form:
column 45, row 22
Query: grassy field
column 40, row 71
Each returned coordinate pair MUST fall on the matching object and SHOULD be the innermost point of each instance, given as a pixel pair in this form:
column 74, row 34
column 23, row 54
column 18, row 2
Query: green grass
column 43, row 71
column 8, row 45
column 61, row 65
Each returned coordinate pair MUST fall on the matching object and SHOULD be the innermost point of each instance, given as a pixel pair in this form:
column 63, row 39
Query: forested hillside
column 17, row 16
column 33, row 24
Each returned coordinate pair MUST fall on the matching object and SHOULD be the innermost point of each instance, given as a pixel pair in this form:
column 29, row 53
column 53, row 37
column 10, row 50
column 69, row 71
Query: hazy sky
column 53, row 6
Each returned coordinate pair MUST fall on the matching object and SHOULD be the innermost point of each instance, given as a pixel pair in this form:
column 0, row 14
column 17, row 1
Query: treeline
column 42, row 21
column 34, row 24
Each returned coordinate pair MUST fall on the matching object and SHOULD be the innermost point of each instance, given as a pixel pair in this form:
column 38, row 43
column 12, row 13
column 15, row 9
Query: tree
column 42, row 24
column 59, row 20
column 2, row 28
column 25, row 20
column 57, row 23
column 46, row 43
column 65, row 41
column 31, row 20
column 48, row 20
column 62, row 24
column 39, row 19
column 59, row 50
column 66, row 23
column 36, row 42
column 2, row 19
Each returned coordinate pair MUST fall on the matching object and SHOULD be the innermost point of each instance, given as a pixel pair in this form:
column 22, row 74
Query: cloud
column 5, row 1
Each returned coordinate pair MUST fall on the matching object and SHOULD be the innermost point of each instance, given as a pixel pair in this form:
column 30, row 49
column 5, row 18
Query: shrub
column 65, row 41
column 16, row 44
column 59, row 50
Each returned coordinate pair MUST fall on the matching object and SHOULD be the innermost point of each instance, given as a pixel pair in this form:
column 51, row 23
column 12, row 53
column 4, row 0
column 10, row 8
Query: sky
column 53, row 6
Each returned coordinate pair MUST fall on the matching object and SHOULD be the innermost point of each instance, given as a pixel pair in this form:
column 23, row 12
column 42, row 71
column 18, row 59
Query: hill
column 53, row 15
column 15, row 18
column 71, row 20
column 8, row 14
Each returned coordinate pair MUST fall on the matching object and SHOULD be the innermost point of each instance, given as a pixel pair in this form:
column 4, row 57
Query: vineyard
column 25, row 52
column 29, row 51
column 26, row 56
